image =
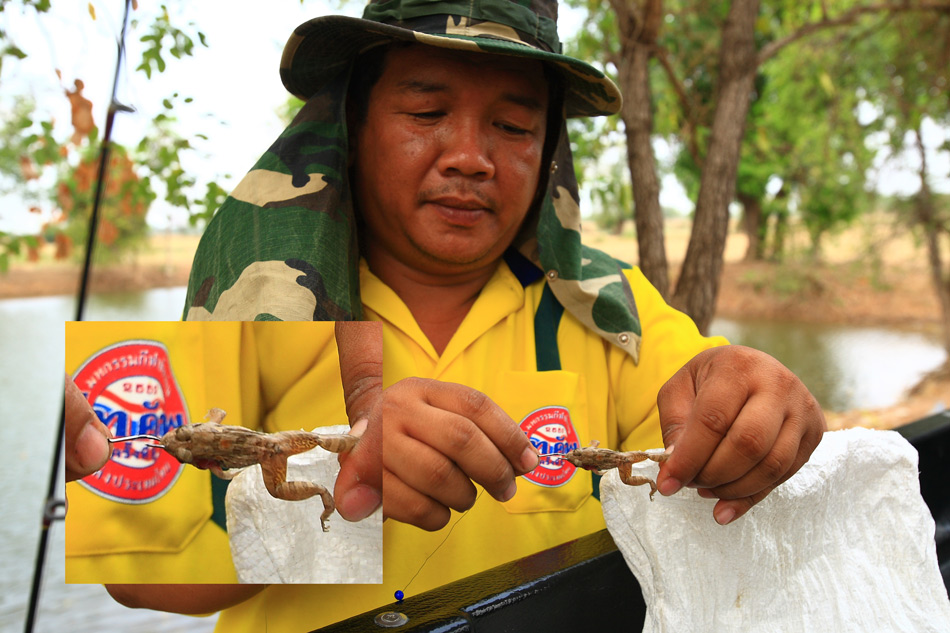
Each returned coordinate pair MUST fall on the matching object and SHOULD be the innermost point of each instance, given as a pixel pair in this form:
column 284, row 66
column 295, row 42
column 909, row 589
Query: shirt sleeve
column 669, row 340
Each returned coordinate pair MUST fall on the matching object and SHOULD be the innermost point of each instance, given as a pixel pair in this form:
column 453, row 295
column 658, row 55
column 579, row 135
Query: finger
column 797, row 436
column 744, row 449
column 777, row 466
column 358, row 488
column 87, row 448
column 404, row 504
column 728, row 508
column 360, row 345
column 429, row 472
column 493, row 423
column 719, row 397
column 675, row 404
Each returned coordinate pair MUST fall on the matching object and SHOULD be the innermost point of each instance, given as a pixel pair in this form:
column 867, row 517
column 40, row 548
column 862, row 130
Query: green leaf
column 14, row 51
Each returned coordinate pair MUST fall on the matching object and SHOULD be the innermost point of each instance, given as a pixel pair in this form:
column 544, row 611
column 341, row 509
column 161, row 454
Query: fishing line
column 401, row 593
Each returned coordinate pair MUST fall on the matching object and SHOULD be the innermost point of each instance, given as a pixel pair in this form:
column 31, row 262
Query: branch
column 682, row 96
column 846, row 18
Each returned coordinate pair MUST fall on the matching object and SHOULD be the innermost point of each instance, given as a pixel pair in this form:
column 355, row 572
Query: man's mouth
column 464, row 204
column 461, row 211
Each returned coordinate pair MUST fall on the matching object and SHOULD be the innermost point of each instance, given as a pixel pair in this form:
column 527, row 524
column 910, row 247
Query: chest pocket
column 551, row 408
column 550, row 405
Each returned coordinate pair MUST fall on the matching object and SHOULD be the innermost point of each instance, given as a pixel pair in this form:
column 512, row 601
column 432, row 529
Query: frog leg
column 275, row 480
column 627, row 477
column 337, row 443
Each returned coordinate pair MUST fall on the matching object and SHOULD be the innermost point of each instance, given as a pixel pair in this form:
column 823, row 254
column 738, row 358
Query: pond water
column 31, row 374
column 845, row 367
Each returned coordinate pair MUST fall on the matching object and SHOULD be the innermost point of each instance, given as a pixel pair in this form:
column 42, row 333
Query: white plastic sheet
column 847, row 544
column 275, row 541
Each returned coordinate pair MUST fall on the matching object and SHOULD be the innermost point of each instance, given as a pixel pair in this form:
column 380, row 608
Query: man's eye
column 429, row 115
column 512, row 129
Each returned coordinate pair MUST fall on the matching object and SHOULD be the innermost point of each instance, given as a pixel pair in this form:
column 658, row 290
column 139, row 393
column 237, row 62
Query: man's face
column 448, row 158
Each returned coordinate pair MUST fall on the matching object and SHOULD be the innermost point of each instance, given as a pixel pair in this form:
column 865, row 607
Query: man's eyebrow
column 523, row 100
column 421, row 86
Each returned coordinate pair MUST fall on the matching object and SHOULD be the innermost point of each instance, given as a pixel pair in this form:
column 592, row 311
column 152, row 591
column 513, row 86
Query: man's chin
column 460, row 254
column 454, row 261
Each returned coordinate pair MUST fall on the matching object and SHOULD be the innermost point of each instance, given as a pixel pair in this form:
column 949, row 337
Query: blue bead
column 399, row 595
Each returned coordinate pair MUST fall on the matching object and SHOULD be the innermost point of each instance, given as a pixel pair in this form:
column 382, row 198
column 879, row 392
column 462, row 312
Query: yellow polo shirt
column 598, row 393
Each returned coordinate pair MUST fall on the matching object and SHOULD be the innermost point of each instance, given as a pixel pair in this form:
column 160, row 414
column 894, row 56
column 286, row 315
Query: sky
column 234, row 84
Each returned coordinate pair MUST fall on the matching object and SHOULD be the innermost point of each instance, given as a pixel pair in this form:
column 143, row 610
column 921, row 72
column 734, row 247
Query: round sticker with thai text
column 549, row 429
column 133, row 390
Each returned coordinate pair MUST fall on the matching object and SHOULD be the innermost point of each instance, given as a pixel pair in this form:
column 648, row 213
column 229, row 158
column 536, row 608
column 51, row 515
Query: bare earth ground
column 844, row 288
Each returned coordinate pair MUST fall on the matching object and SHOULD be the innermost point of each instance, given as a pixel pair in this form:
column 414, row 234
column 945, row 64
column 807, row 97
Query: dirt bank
column 164, row 263
column 870, row 275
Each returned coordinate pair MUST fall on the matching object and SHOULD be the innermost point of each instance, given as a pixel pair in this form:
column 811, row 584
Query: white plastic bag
column 847, row 544
column 275, row 541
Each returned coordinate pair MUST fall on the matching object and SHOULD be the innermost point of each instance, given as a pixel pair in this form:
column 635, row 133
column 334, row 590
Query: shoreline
column 900, row 296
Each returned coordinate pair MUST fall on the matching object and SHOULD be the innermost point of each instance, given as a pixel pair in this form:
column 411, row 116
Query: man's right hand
column 87, row 446
column 440, row 437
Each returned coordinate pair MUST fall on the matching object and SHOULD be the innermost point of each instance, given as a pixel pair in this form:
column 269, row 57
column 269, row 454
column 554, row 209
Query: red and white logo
column 549, row 429
column 132, row 389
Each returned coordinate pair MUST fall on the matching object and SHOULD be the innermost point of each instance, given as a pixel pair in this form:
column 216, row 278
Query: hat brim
column 321, row 48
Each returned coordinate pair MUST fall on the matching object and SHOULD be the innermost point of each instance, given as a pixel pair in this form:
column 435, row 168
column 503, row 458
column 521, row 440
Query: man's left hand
column 741, row 423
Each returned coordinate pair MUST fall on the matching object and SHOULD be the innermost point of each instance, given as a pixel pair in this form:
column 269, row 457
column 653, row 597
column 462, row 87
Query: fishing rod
column 52, row 507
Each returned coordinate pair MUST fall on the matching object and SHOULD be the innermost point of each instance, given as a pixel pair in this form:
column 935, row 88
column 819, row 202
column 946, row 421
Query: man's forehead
column 428, row 69
column 425, row 68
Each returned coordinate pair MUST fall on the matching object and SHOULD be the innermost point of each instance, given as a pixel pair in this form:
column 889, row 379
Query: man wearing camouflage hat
column 428, row 183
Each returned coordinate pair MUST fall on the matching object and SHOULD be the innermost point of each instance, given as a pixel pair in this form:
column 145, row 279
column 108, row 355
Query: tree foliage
column 761, row 106
column 55, row 168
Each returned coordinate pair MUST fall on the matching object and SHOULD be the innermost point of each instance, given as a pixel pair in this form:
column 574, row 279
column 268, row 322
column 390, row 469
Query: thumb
column 358, row 489
column 675, row 402
column 86, row 447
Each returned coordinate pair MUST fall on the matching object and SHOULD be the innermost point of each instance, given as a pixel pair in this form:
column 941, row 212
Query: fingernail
column 669, row 486
column 92, row 449
column 360, row 502
column 724, row 515
column 509, row 492
column 529, row 459
column 359, row 427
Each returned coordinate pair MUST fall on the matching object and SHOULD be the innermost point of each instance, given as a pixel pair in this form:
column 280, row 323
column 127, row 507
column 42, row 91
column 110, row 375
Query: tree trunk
column 753, row 226
column 924, row 210
column 617, row 228
column 780, row 230
column 698, row 285
column 779, row 233
column 639, row 27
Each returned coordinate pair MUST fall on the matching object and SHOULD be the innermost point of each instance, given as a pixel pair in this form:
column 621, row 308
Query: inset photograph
column 231, row 454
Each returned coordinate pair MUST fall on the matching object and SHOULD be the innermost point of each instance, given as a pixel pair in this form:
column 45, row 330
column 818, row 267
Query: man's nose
column 467, row 151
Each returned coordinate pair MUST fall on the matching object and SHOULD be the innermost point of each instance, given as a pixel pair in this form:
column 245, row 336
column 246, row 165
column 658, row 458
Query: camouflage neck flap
column 284, row 245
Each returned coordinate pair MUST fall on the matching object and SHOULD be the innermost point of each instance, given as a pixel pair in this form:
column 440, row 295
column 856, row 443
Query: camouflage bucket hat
column 323, row 47
column 284, row 245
